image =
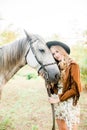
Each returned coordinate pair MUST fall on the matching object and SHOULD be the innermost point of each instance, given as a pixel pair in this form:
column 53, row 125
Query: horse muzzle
column 50, row 73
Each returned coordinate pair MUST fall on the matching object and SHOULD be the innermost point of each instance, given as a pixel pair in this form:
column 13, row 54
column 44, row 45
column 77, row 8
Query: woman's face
column 56, row 53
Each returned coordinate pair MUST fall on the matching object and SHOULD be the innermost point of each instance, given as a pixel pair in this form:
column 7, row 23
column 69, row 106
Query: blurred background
column 63, row 20
column 66, row 19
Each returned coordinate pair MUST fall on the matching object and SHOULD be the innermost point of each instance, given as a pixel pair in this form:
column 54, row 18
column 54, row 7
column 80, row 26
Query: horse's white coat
column 31, row 60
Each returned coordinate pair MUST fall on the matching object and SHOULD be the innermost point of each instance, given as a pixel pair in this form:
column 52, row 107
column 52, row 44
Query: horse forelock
column 37, row 37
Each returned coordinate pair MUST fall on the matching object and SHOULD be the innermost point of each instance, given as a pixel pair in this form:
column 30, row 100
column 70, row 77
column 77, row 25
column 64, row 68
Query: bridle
column 41, row 65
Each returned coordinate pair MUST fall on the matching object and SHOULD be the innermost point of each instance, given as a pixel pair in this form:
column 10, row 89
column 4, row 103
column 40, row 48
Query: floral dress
column 66, row 111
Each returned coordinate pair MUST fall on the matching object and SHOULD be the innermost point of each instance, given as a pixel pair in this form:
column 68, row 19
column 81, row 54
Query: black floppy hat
column 55, row 43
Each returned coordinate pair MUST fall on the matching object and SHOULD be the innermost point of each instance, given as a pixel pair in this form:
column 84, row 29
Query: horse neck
column 13, row 59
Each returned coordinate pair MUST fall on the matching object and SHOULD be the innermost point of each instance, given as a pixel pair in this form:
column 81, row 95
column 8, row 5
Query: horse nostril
column 46, row 76
column 57, row 76
column 47, row 79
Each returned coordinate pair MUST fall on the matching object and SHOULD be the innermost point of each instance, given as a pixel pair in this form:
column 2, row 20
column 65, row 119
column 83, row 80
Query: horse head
column 40, row 58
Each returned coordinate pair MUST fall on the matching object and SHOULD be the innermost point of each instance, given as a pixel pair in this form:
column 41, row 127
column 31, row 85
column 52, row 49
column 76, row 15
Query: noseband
column 42, row 66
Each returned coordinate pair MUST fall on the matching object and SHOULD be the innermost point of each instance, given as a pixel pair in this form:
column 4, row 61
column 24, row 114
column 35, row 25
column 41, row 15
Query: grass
column 34, row 127
column 6, row 123
column 24, row 104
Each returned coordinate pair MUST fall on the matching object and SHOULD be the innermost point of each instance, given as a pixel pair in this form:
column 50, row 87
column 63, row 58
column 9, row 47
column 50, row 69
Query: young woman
column 67, row 110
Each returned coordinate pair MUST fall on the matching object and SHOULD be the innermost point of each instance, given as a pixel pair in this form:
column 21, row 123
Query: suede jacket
column 71, row 83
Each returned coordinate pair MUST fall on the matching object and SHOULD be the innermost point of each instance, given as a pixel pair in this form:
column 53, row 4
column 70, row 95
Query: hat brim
column 55, row 43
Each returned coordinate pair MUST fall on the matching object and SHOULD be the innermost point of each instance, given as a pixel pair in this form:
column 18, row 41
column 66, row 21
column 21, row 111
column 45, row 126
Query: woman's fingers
column 53, row 100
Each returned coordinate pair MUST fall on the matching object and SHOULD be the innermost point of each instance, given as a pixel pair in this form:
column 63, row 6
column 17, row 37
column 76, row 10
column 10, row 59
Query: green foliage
column 7, row 36
column 32, row 75
column 79, row 52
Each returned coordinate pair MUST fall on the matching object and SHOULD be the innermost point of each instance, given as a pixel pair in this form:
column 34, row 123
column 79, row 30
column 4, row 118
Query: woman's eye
column 42, row 50
column 57, row 51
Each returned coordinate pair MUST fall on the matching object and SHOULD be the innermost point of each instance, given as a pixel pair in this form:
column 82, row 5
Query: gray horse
column 30, row 50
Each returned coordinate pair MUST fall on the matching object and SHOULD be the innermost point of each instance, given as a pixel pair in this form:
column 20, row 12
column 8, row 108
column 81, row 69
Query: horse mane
column 13, row 57
column 11, row 54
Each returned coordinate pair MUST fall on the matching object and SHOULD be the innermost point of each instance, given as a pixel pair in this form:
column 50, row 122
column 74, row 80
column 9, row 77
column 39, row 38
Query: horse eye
column 42, row 50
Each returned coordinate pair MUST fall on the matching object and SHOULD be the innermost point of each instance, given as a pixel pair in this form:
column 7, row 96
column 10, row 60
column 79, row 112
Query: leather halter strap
column 42, row 66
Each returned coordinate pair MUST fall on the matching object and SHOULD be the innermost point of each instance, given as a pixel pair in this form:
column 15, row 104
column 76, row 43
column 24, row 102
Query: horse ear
column 28, row 36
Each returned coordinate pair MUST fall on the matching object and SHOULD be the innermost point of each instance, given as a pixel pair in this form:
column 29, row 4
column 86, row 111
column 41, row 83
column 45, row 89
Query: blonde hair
column 61, row 50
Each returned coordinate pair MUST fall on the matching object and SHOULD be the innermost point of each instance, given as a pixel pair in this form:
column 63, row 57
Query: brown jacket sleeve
column 75, row 74
column 75, row 87
column 69, row 93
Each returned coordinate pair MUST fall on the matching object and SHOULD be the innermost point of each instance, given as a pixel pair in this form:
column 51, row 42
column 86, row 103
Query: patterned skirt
column 66, row 111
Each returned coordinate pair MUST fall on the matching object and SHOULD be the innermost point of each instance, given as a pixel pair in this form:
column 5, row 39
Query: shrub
column 32, row 75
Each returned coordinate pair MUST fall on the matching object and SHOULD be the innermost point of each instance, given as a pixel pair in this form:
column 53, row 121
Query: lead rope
column 52, row 106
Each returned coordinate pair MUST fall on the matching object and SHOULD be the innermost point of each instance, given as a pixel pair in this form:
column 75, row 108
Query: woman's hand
column 53, row 100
